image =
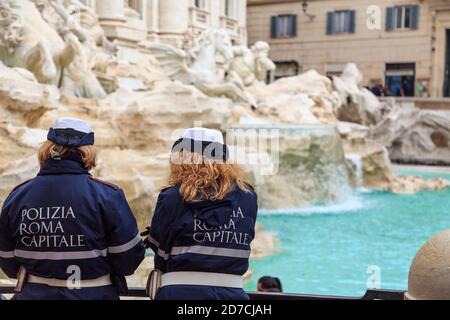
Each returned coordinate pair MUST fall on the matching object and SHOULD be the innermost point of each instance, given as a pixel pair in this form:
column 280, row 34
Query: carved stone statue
column 251, row 65
column 44, row 38
column 28, row 41
column 198, row 66
column 95, row 52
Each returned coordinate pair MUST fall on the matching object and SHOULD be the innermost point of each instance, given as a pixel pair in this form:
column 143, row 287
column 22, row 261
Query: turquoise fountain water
column 333, row 250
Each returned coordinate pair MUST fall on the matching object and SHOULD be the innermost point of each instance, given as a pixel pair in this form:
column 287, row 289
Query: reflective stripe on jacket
column 63, row 222
column 208, row 236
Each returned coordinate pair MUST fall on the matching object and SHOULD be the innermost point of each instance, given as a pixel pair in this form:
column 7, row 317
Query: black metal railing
column 257, row 296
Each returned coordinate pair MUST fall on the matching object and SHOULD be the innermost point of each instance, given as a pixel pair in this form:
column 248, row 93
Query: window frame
column 402, row 17
column 402, row 10
column 341, row 22
column 290, row 26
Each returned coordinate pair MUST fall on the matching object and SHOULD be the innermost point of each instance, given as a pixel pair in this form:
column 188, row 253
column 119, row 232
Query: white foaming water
column 357, row 161
column 353, row 203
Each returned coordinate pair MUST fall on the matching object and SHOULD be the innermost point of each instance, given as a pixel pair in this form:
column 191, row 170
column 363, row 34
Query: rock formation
column 359, row 105
column 414, row 135
column 368, row 161
column 304, row 99
column 309, row 168
column 412, row 185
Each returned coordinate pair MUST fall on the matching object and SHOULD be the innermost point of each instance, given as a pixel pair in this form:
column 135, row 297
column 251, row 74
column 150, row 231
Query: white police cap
column 71, row 132
column 72, row 123
column 204, row 135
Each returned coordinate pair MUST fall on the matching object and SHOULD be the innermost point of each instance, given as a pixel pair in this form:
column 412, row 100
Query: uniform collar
column 68, row 165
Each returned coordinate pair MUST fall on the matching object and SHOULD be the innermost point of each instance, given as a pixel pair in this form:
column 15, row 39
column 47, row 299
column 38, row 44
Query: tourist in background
column 64, row 234
column 203, row 223
column 269, row 284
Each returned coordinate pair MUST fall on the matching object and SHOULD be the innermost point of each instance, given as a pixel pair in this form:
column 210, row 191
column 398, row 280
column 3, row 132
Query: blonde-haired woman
column 203, row 223
column 64, row 234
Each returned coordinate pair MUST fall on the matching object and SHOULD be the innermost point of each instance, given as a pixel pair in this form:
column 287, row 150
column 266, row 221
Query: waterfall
column 312, row 168
column 358, row 170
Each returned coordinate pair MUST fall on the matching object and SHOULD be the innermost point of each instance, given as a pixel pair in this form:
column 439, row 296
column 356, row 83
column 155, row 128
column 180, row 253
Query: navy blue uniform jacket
column 203, row 236
column 64, row 224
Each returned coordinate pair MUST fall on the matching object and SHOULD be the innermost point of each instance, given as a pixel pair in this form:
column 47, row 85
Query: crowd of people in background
column 380, row 91
column 404, row 90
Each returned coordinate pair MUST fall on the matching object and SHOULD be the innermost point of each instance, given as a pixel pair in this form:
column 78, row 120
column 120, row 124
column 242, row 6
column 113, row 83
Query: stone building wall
column 370, row 48
column 131, row 22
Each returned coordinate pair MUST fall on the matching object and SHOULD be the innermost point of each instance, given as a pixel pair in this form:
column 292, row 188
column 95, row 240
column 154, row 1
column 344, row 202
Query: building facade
column 403, row 45
column 132, row 22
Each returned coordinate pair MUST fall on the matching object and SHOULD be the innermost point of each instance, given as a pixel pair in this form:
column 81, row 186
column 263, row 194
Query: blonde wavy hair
column 203, row 178
column 50, row 150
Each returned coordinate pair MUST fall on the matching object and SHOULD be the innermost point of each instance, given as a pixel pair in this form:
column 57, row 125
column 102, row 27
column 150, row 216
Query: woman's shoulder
column 169, row 193
column 248, row 193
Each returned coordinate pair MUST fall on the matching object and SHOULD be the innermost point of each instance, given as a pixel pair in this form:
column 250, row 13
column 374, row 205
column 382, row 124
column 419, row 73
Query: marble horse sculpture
column 198, row 66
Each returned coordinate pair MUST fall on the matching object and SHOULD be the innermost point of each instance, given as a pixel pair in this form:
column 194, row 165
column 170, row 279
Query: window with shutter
column 402, row 17
column 284, row 26
column 341, row 22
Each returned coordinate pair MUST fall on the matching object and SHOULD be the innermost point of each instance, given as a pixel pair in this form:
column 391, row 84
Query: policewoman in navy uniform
column 64, row 234
column 203, row 223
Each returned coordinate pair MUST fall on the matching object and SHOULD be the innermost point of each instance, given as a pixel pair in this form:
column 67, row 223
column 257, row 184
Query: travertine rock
column 16, row 171
column 264, row 244
column 359, row 105
column 141, row 182
column 308, row 168
column 304, row 99
column 118, row 74
column 411, row 184
column 154, row 119
column 414, row 135
column 368, row 161
column 20, row 92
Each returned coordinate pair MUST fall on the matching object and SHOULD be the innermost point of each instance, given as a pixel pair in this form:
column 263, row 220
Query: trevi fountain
column 335, row 207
